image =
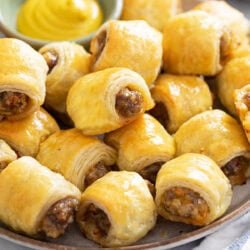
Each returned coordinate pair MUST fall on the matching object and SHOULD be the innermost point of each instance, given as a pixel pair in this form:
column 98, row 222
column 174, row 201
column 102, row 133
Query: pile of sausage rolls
column 152, row 120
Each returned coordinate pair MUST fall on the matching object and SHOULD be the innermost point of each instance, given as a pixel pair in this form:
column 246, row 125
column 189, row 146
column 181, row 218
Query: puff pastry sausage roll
column 7, row 154
column 192, row 189
column 242, row 104
column 108, row 99
column 79, row 158
column 67, row 61
column 178, row 98
column 242, row 51
column 143, row 146
column 25, row 135
column 117, row 210
column 156, row 13
column 219, row 136
column 234, row 75
column 233, row 18
column 35, row 200
column 130, row 44
column 195, row 43
column 22, row 79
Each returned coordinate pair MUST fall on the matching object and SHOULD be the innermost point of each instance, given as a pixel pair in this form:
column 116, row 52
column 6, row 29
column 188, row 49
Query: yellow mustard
column 56, row 20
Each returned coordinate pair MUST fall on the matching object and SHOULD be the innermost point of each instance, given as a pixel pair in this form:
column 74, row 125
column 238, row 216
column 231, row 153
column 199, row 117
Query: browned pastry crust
column 192, row 189
column 131, row 44
column 35, row 200
column 178, row 98
column 22, row 79
column 108, row 99
column 143, row 146
column 80, row 159
column 67, row 61
column 7, row 154
column 25, row 135
column 230, row 16
column 219, row 136
column 117, row 210
column 156, row 13
column 195, row 43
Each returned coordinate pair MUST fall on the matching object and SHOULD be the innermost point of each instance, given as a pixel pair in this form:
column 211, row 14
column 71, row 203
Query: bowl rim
column 37, row 43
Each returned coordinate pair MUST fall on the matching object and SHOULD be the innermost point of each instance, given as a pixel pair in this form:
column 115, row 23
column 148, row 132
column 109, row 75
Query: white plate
column 164, row 236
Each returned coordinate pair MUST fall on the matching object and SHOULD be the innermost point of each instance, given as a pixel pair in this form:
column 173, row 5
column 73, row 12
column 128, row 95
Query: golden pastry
column 195, row 43
column 231, row 17
column 156, row 13
column 67, row 61
column 7, row 154
column 130, row 44
column 34, row 200
column 108, row 99
column 234, row 75
column 242, row 51
column 25, row 135
column 79, row 158
column 219, row 136
column 117, row 210
column 22, row 79
column 143, row 146
column 192, row 189
column 178, row 98
column 242, row 104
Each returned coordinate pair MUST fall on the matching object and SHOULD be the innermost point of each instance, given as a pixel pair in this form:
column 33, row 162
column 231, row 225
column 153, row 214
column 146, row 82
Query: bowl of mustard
column 39, row 22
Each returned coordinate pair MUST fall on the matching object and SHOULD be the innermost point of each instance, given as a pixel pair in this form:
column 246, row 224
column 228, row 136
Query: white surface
column 230, row 237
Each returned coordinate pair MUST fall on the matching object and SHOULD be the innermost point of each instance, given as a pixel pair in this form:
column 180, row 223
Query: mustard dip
column 56, row 20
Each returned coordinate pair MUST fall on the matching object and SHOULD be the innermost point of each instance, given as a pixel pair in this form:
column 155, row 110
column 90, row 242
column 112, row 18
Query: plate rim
column 176, row 241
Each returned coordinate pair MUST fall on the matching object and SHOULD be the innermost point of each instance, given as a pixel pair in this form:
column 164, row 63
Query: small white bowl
column 8, row 11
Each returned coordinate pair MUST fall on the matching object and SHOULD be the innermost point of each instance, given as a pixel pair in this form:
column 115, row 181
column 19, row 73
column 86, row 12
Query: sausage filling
column 224, row 48
column 95, row 222
column 101, row 41
column 151, row 171
column 235, row 170
column 13, row 103
column 96, row 172
column 58, row 217
column 3, row 164
column 129, row 102
column 160, row 113
column 246, row 100
column 185, row 203
column 51, row 58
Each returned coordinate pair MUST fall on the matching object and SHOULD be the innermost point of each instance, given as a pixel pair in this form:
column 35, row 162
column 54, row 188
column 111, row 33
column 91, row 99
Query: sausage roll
column 22, row 79
column 36, row 201
column 67, row 61
column 195, row 43
column 233, row 18
column 25, row 135
column 192, row 189
column 117, row 210
column 241, row 51
column 234, row 75
column 130, row 44
column 156, row 13
column 143, row 146
column 242, row 104
column 108, row 99
column 219, row 136
column 7, row 154
column 178, row 98
column 80, row 159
